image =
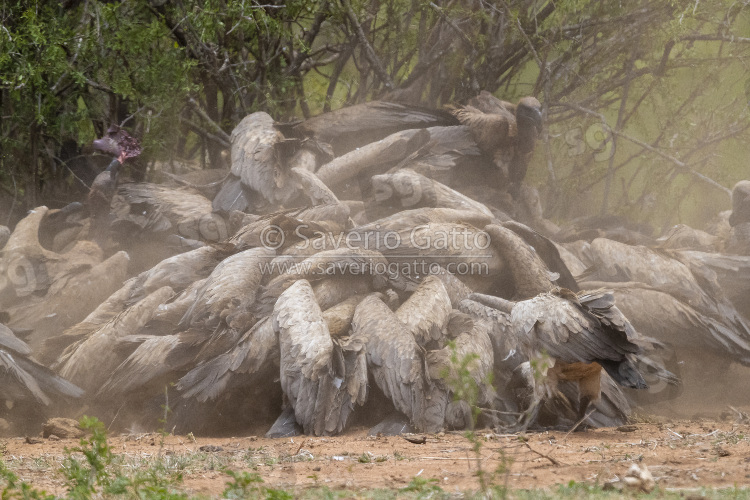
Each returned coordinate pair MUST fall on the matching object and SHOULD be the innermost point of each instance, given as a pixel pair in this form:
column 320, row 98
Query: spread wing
column 667, row 319
column 231, row 288
column 256, row 354
column 567, row 332
column 354, row 126
column 92, row 360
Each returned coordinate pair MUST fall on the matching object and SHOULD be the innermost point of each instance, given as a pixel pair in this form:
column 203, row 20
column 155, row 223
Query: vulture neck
column 114, row 167
column 530, row 276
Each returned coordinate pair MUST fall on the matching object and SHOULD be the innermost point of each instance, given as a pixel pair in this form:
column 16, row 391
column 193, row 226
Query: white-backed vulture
column 684, row 237
column 27, row 268
column 334, row 290
column 257, row 352
column 739, row 239
column 394, row 359
column 23, row 379
column 147, row 208
column 472, row 350
column 407, row 219
column 4, row 235
column 394, row 148
column 69, row 300
column 695, row 285
column 313, row 187
column 284, row 228
column 660, row 315
column 740, row 203
column 315, row 377
column 258, row 176
column 366, row 264
column 504, row 132
column 611, row 410
column 530, row 274
column 572, row 337
column 89, row 362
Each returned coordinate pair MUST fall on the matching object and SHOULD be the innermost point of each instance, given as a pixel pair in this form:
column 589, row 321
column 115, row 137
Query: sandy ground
column 679, row 453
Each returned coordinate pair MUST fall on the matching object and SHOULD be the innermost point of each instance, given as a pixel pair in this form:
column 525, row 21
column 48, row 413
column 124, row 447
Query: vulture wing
column 425, row 313
column 572, row 332
column 312, row 368
column 256, row 353
column 393, row 356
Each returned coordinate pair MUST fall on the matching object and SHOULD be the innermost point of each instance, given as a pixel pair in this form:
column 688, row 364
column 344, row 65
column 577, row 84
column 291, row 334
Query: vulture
column 695, row 285
column 329, row 263
column 91, row 360
column 393, row 149
column 23, row 379
column 69, row 299
column 211, row 325
column 470, row 348
column 668, row 319
column 32, row 269
column 318, row 380
column 740, row 204
column 258, row 175
column 285, row 228
column 611, row 410
column 530, row 274
column 395, row 361
column 568, row 336
column 564, row 335
column 229, row 291
column 145, row 208
column 504, row 132
column 682, row 237
column 738, row 242
column 255, row 354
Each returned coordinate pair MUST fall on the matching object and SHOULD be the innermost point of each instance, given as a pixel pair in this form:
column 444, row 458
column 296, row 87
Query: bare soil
column 680, row 454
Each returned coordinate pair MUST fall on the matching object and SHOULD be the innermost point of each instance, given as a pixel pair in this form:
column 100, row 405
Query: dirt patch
column 680, row 454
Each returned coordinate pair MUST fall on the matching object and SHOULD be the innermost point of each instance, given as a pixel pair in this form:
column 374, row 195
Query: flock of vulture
column 382, row 264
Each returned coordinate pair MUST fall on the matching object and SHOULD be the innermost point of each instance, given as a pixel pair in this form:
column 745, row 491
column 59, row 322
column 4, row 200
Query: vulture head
column 118, row 143
column 529, row 113
column 740, row 203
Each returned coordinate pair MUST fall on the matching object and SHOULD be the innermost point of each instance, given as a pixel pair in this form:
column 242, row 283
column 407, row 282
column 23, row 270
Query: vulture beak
column 531, row 115
column 535, row 114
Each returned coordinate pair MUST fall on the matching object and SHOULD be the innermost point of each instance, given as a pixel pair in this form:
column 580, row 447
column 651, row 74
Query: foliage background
column 646, row 102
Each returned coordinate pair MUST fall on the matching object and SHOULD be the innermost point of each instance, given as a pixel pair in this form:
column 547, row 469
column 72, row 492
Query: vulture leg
column 528, row 417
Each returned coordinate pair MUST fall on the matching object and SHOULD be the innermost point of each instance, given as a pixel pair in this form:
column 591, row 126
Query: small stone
column 33, row 440
column 62, row 428
column 53, row 437
column 316, row 469
column 627, row 428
